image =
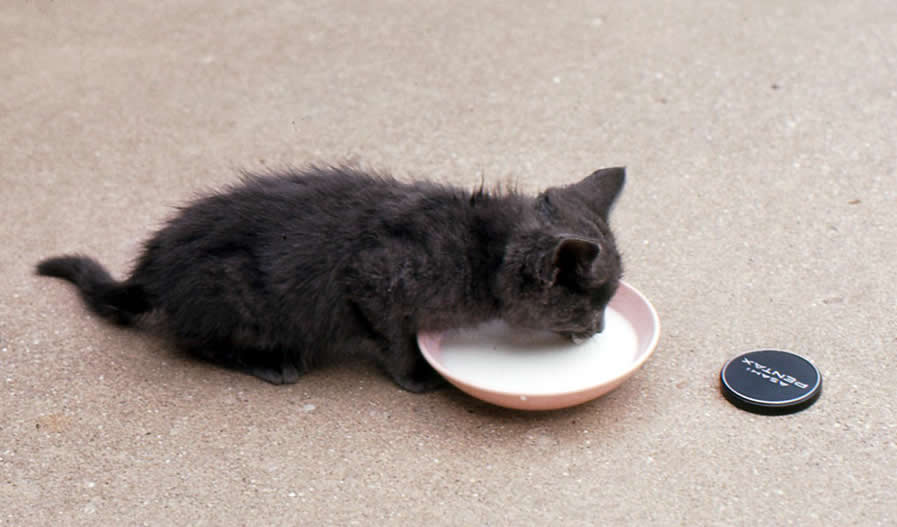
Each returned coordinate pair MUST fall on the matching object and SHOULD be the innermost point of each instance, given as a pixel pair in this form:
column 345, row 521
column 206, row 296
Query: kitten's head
column 560, row 275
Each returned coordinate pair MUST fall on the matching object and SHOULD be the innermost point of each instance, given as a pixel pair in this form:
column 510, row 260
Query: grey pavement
column 761, row 211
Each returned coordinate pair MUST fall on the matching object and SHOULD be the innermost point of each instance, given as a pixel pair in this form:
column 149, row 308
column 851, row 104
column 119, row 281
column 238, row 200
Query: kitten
column 282, row 269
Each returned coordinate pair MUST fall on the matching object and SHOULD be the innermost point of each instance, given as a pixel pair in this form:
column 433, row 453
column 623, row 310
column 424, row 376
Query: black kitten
column 272, row 274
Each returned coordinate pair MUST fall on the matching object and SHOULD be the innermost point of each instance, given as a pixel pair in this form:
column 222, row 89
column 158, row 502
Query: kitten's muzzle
column 599, row 322
column 581, row 336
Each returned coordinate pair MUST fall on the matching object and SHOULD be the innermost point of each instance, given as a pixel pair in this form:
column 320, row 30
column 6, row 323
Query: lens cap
column 771, row 382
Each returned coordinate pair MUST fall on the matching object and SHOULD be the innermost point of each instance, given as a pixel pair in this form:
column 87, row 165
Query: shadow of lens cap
column 771, row 382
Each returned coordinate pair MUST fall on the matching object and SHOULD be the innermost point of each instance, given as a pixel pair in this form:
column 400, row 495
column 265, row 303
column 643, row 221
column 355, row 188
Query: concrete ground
column 761, row 211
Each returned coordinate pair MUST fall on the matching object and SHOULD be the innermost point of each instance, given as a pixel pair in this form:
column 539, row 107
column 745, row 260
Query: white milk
column 497, row 357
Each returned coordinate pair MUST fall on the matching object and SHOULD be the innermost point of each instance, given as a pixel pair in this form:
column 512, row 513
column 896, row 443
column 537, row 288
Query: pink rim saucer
column 628, row 301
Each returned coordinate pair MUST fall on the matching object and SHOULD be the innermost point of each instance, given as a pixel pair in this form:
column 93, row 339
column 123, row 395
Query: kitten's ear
column 572, row 257
column 600, row 189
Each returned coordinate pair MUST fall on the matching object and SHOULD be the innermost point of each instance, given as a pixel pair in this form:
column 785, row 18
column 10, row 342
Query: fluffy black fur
column 274, row 273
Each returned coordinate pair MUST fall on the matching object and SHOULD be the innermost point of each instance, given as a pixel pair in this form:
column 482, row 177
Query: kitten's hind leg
column 284, row 374
column 272, row 367
column 275, row 368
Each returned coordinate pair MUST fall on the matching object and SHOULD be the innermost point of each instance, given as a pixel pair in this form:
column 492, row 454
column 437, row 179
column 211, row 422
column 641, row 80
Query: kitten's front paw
column 420, row 384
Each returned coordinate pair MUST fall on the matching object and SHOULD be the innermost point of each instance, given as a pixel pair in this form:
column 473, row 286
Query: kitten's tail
column 119, row 302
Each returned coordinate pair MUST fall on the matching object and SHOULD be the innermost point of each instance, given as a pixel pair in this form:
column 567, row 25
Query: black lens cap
column 771, row 382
